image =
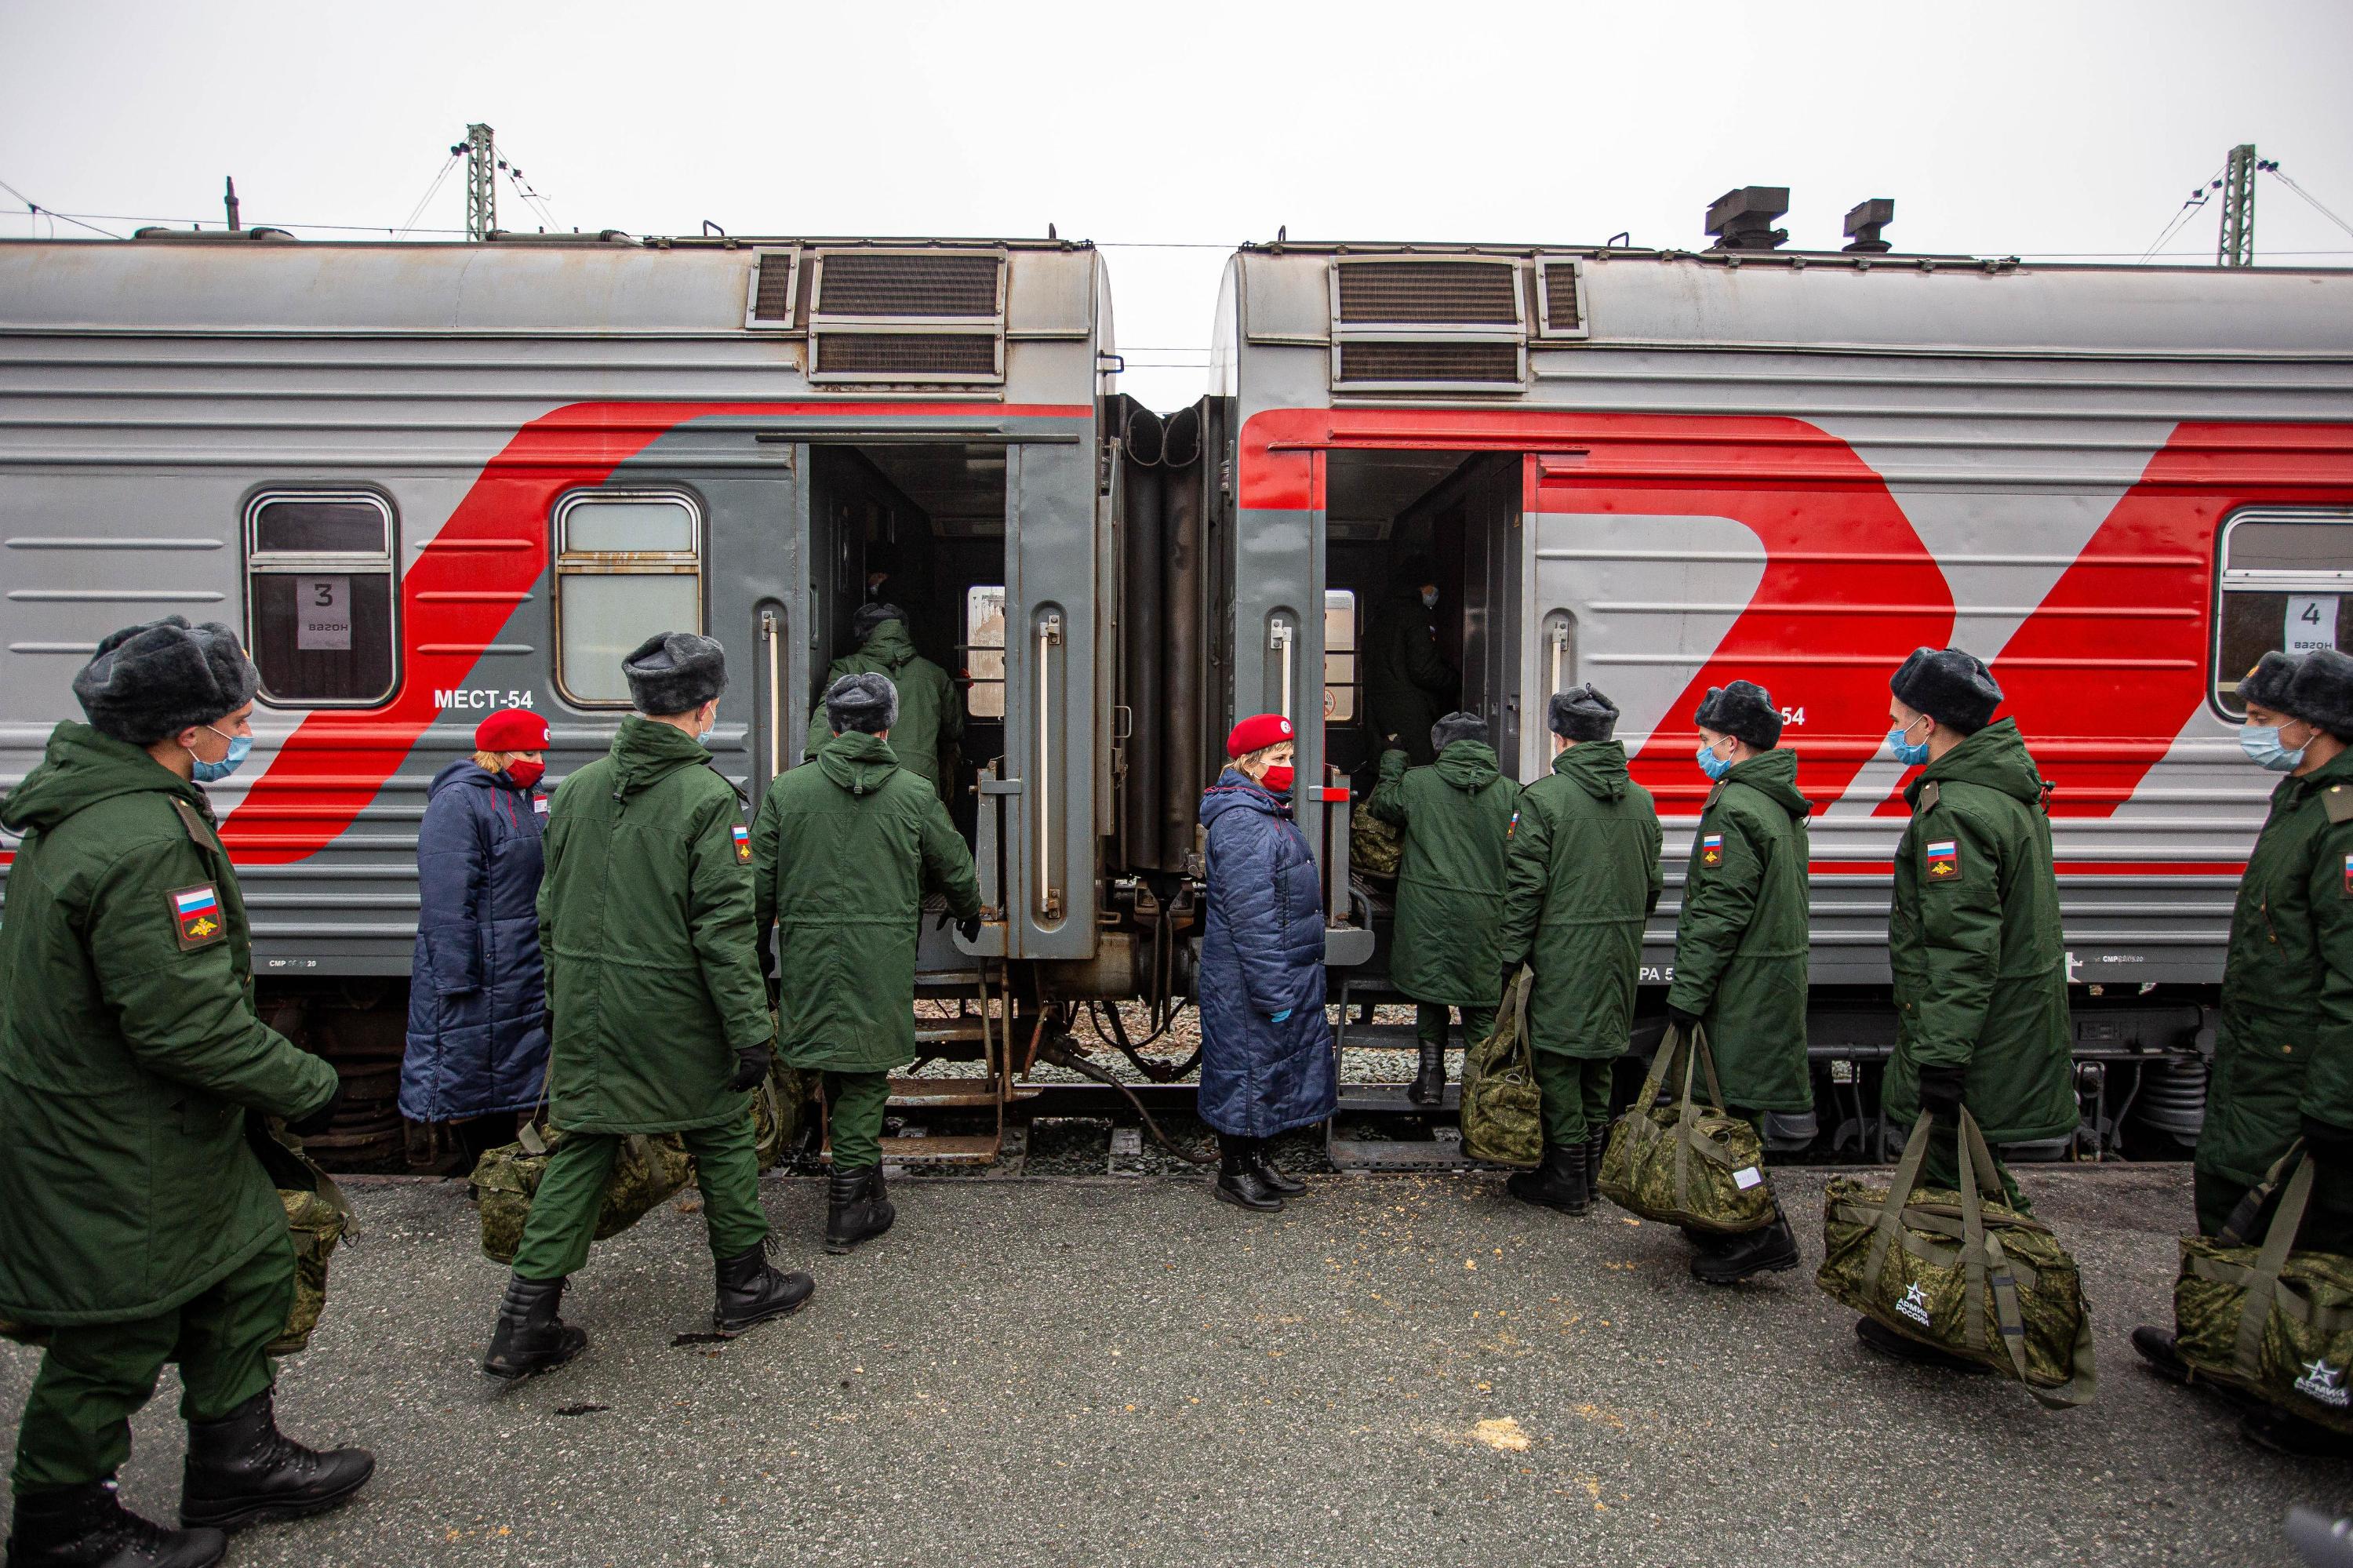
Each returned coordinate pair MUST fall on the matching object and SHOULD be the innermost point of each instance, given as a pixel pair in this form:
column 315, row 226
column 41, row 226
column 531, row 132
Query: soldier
column 1456, row 816
column 1973, row 937
column 137, row 1224
column 1741, row 940
column 1407, row 681
column 661, row 1020
column 2280, row 1068
column 843, row 852
column 931, row 714
column 1582, row 876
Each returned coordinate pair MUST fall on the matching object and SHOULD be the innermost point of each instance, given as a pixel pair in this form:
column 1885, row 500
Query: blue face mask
column 2262, row 744
column 1712, row 764
column 240, row 747
column 1910, row 756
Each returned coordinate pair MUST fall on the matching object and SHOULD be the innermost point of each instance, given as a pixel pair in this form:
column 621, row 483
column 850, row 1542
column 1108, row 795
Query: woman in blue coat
column 477, row 996
column 1266, row 1046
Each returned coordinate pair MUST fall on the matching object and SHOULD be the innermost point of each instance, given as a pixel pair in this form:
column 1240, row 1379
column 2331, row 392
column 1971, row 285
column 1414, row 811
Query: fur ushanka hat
column 2321, row 692
column 151, row 681
column 867, row 703
column 675, row 672
column 1457, row 726
column 1743, row 710
column 1950, row 686
column 1581, row 712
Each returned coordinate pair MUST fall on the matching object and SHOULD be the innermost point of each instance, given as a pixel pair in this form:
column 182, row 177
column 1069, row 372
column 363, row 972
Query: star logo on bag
column 1914, row 1305
column 2323, row 1383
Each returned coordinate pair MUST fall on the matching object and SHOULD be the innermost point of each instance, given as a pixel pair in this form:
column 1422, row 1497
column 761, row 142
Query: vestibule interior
column 921, row 526
column 1390, row 518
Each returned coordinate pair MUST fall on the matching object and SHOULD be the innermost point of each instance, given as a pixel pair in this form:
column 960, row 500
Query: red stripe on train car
column 459, row 595
column 1831, row 531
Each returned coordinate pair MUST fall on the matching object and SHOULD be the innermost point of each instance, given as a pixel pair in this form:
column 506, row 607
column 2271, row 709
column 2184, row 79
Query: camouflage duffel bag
column 646, row 1169
column 1503, row 1114
column 1375, row 847
column 1962, row 1271
column 779, row 1105
column 2275, row 1322
column 1686, row 1162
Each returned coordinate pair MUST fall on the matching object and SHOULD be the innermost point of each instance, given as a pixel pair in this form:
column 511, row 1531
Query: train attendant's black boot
column 1286, row 1186
column 854, row 1209
column 1563, row 1182
column 88, row 1527
column 241, row 1469
column 1239, row 1182
column 1429, row 1086
column 752, row 1290
column 530, row 1338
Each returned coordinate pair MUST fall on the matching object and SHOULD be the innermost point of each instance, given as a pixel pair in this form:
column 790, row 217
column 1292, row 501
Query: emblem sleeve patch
column 196, row 916
column 1944, row 860
column 1711, row 849
column 742, row 837
column 2349, row 877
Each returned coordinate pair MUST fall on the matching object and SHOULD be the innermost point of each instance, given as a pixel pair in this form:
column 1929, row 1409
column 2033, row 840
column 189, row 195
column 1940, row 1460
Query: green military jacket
column 1408, row 684
column 931, row 714
column 1974, row 939
column 843, row 851
column 130, row 1052
column 2284, row 1046
column 1581, row 877
column 1457, row 818
column 1741, row 940
column 645, row 918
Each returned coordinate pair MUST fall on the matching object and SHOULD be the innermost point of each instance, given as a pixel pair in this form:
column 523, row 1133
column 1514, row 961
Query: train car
column 1660, row 471
column 429, row 481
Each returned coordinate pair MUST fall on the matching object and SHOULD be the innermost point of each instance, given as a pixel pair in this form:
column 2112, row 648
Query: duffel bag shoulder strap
column 1983, row 1262
column 1706, row 1054
column 2263, row 1285
column 2239, row 1230
column 1887, row 1226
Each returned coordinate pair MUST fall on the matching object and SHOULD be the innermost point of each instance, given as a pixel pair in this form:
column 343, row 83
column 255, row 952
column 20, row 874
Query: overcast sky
column 2038, row 129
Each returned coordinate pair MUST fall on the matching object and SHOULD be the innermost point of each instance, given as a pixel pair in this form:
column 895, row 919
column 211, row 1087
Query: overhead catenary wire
column 2313, row 201
column 33, row 207
column 424, row 201
column 2196, row 203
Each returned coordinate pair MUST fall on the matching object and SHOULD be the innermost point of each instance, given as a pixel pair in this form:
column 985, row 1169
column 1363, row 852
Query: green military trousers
column 1575, row 1092
column 1431, row 1018
column 94, row 1376
column 572, row 1194
column 854, row 1104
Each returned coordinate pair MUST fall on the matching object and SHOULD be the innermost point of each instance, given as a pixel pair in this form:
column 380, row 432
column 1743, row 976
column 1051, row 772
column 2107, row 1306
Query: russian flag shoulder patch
column 1944, row 859
column 1711, row 849
column 742, row 837
column 197, row 919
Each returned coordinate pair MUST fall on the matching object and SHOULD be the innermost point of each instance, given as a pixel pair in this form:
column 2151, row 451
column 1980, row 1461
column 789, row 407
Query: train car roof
column 1833, row 301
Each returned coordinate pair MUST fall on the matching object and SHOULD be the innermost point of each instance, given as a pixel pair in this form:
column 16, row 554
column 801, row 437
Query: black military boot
column 1728, row 1260
column 530, row 1338
column 88, row 1527
column 2159, row 1352
column 241, row 1469
column 1239, row 1181
column 1429, row 1086
column 1877, row 1336
column 1287, row 1186
column 856, row 1209
column 1562, row 1181
column 752, row 1290
column 1596, row 1146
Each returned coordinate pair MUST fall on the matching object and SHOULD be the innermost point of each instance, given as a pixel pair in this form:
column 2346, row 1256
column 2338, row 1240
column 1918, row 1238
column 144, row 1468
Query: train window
column 628, row 563
column 1339, row 656
column 2286, row 582
column 320, row 603
column 984, row 639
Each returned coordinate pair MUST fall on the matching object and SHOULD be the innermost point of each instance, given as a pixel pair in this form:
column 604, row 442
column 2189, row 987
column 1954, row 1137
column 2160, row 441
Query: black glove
column 315, row 1124
column 750, row 1067
column 1940, row 1093
column 1511, row 973
column 1682, row 1019
column 2330, row 1146
column 969, row 927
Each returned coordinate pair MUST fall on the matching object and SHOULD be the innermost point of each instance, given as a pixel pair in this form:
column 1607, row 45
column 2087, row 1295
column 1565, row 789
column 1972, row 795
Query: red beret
column 1257, row 732
column 512, row 729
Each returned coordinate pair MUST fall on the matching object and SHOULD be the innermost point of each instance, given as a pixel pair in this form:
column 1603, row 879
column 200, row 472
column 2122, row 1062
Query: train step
column 943, row 1092
column 1390, row 1099
column 1444, row 1153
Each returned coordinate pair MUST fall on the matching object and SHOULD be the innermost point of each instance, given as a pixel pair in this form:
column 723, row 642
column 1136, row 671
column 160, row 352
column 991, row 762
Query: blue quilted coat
column 478, row 994
column 1266, row 1046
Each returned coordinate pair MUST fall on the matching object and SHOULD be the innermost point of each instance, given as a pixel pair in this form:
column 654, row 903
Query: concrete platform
column 1400, row 1370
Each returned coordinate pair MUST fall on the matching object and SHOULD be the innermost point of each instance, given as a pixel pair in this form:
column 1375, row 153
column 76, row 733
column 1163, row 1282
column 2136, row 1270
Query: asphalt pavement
column 1399, row 1370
